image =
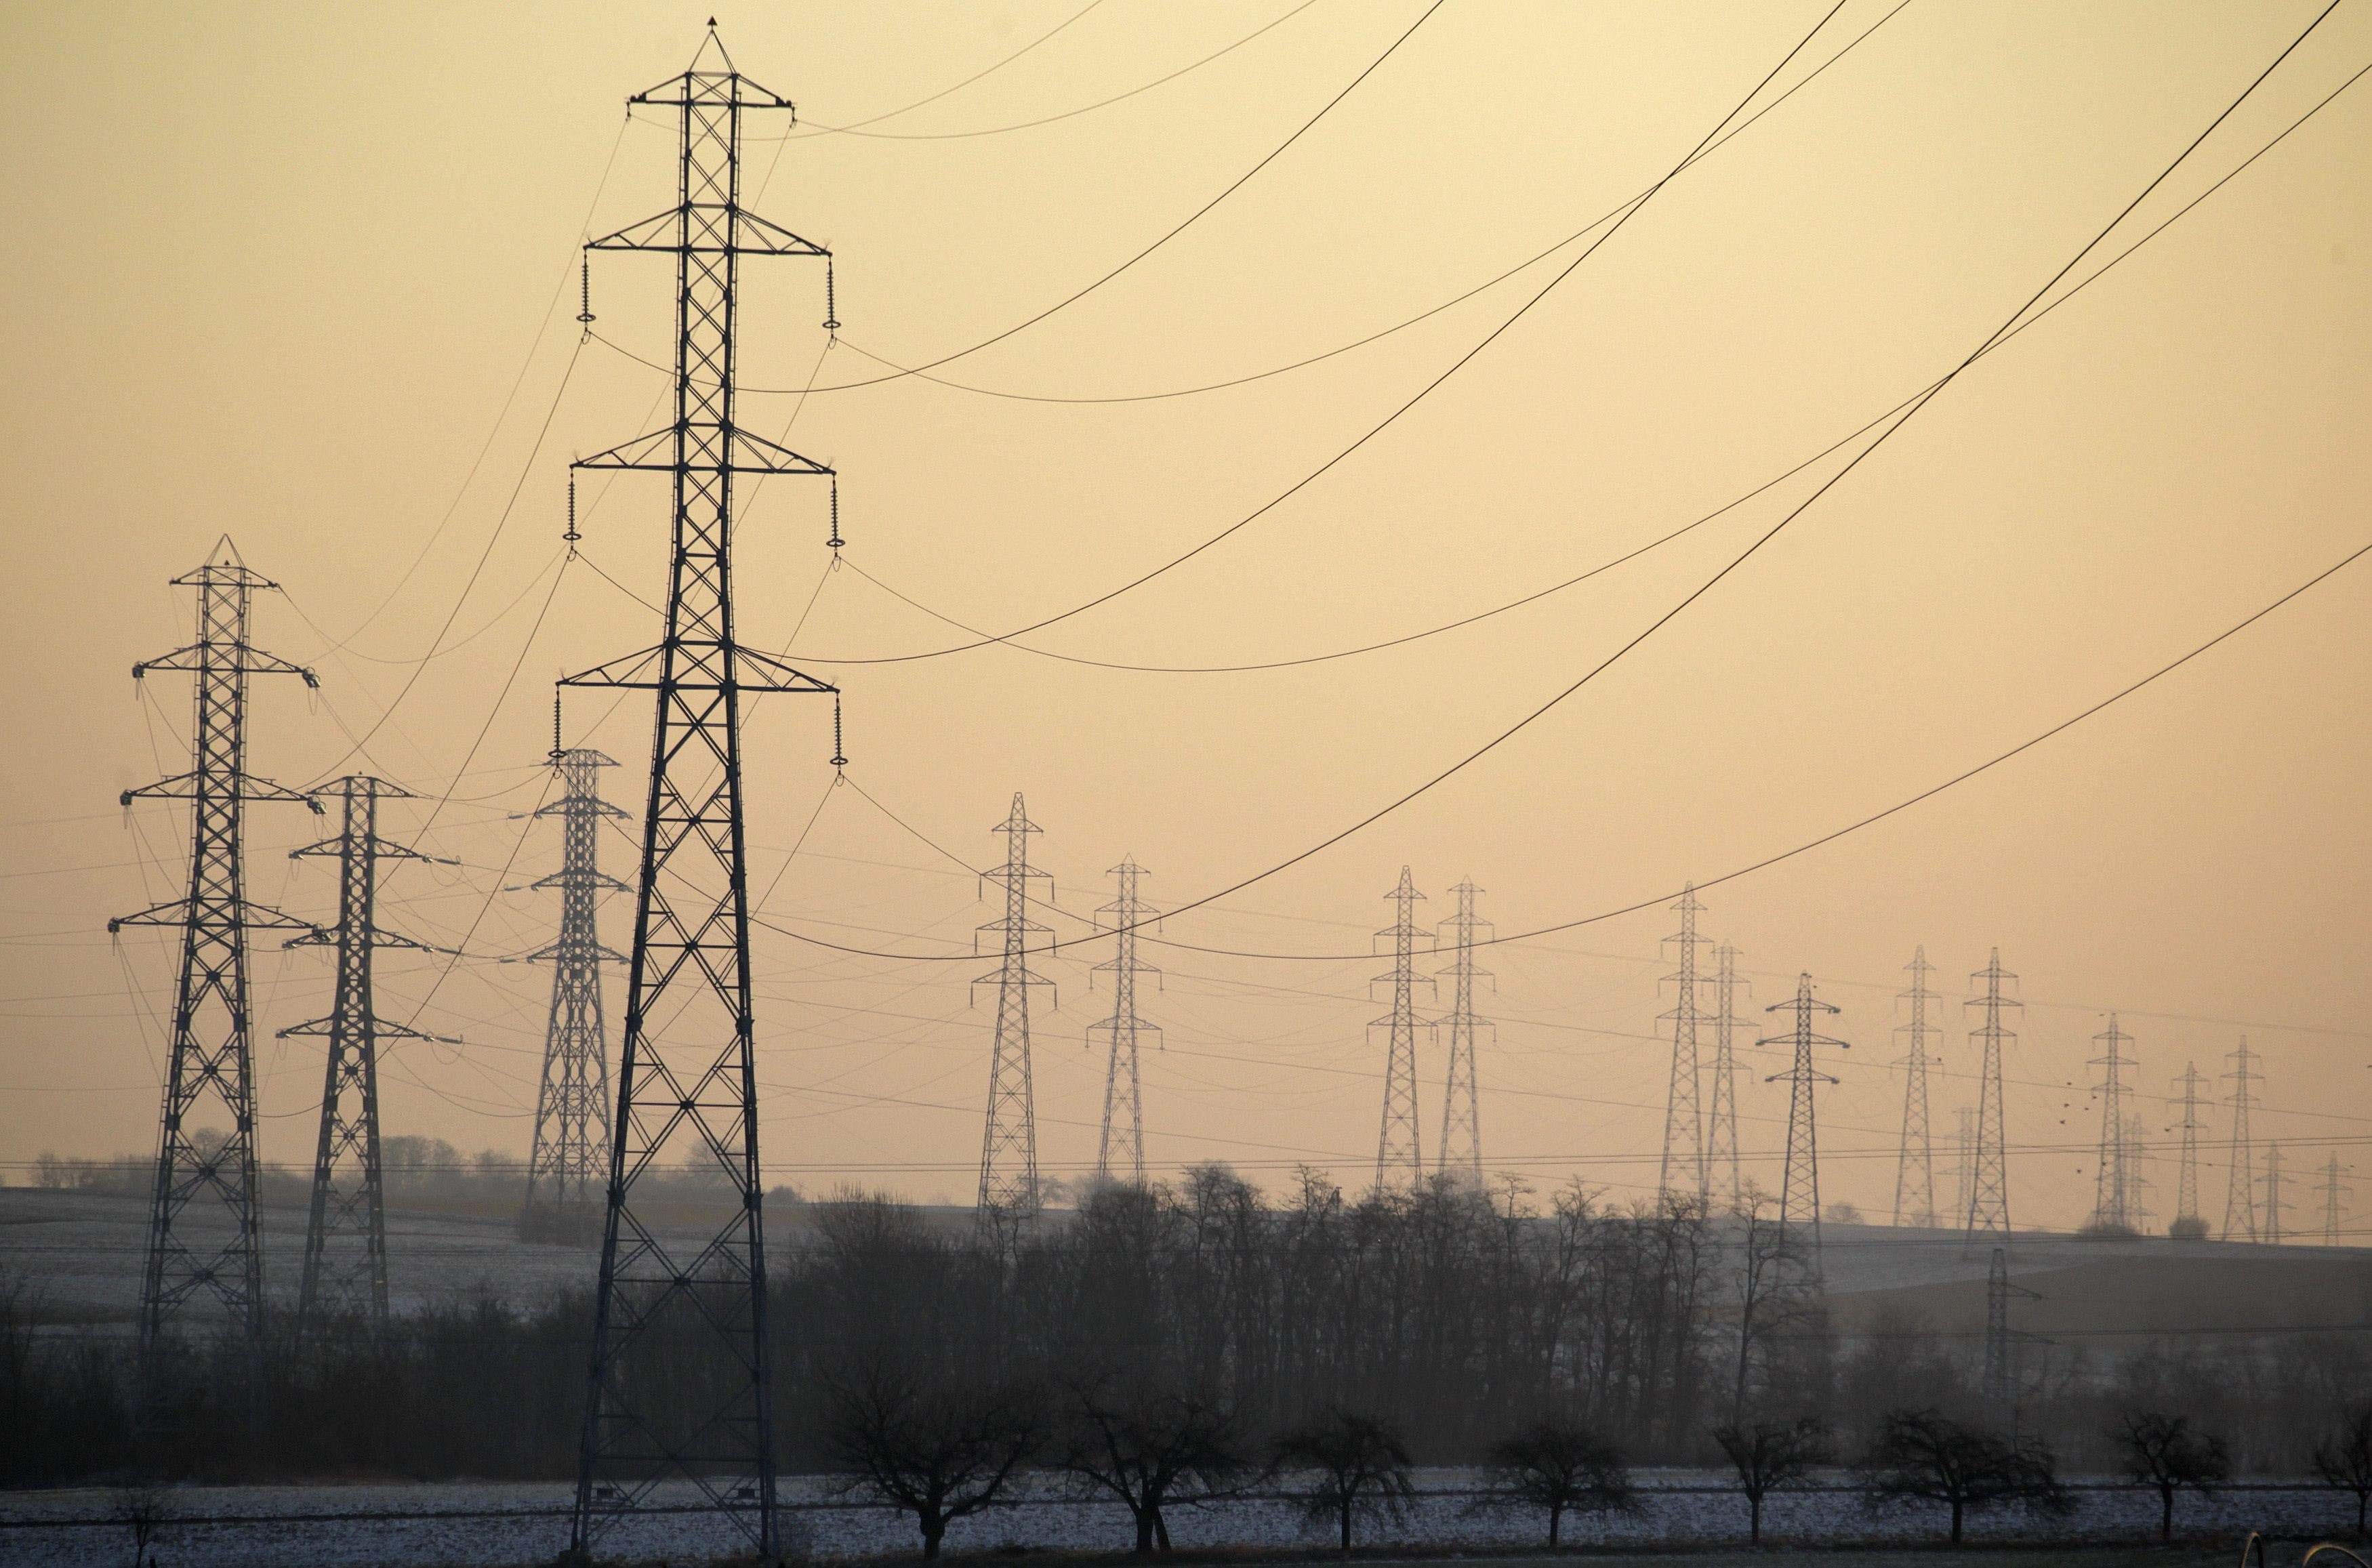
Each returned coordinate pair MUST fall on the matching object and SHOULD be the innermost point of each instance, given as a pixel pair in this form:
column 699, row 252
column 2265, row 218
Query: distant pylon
column 1965, row 1161
column 1988, row 1211
column 2137, row 1179
column 1009, row 1198
column 2112, row 1191
column 1799, row 1187
column 570, row 1156
column 2333, row 1190
column 2275, row 1202
column 2186, row 1180
column 1120, row 1151
column 1399, row 1151
column 345, row 1231
column 212, row 1061
column 2240, row 1176
column 1684, row 1168
column 1461, row 1106
column 1721, row 1122
column 1914, row 1164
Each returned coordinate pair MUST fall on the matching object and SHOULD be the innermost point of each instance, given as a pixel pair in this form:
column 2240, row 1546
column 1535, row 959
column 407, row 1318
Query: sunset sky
column 308, row 276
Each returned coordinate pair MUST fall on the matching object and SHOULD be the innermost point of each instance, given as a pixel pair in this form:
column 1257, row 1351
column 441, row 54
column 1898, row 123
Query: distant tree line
column 1182, row 1340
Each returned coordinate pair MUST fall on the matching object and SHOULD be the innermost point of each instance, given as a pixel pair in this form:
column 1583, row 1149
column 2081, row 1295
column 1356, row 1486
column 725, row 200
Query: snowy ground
column 416, row 1527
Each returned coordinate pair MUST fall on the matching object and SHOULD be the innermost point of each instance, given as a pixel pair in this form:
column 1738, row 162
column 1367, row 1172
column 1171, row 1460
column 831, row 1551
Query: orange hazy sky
column 275, row 271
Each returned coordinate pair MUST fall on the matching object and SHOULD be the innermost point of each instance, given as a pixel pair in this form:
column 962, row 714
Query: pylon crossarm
column 243, row 660
column 183, row 786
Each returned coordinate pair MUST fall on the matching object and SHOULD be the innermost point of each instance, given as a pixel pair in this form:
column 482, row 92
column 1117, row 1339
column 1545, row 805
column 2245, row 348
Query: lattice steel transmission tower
column 345, row 1229
column 1799, row 1187
column 2334, row 1190
column 1462, row 1106
column 2240, row 1176
column 1682, row 1171
column 2275, row 1202
column 1120, row 1152
column 681, row 1371
column 2186, row 1179
column 570, row 1157
column 211, row 1064
column 1988, row 1210
column 2113, row 1197
column 1008, row 1148
column 1721, row 1118
column 1400, row 1149
column 1965, row 1150
column 2137, row 1179
column 1914, row 1163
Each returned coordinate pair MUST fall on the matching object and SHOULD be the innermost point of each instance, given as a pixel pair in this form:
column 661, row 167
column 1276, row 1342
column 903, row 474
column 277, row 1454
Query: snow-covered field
column 414, row 1526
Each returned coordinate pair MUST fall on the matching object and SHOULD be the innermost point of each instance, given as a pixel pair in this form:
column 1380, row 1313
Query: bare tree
column 2163, row 1451
column 2343, row 1457
column 1358, row 1465
column 146, row 1511
column 1557, row 1466
column 938, row 1451
column 1923, row 1457
column 1773, row 1280
column 1141, row 1444
column 1772, row 1455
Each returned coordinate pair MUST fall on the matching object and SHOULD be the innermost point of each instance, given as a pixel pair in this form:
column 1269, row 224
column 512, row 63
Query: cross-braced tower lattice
column 1799, row 1186
column 2334, row 1191
column 2275, row 1202
column 1721, row 1113
column 1964, row 1148
column 1400, row 1148
column 1461, row 1108
column 2240, row 1176
column 1120, row 1152
column 2138, row 1211
column 1682, row 1171
column 1988, row 1207
column 571, row 1155
column 1914, row 1164
column 1009, row 1148
column 2186, row 1178
column 203, row 1244
column 2114, row 1202
column 682, row 1370
column 345, row 1228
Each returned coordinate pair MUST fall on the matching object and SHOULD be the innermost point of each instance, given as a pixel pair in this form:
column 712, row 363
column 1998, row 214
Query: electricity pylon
column 1721, row 1118
column 1988, row 1210
column 211, row 1064
column 1400, row 1149
column 2137, row 1179
column 1914, row 1163
column 2275, row 1202
column 681, row 1366
column 2240, row 1176
column 1965, row 1164
column 2333, row 1190
column 1462, row 1106
column 1799, row 1187
column 572, row 1101
column 346, row 1230
column 2186, row 1179
column 1682, row 1171
column 2112, row 1186
column 1008, row 1148
column 1119, row 1153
